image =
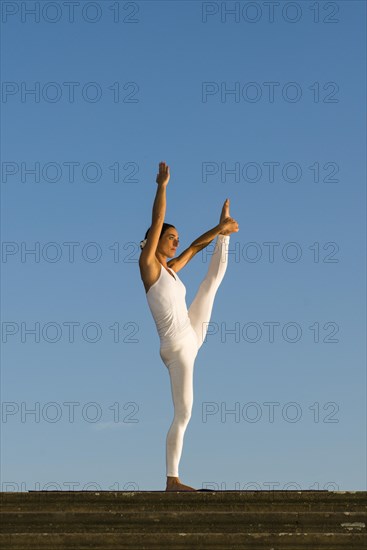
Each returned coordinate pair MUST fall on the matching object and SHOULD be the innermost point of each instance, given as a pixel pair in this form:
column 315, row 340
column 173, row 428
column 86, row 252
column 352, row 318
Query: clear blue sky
column 151, row 83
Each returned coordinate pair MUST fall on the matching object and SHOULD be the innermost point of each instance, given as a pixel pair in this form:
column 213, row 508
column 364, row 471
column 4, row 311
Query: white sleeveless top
column 167, row 303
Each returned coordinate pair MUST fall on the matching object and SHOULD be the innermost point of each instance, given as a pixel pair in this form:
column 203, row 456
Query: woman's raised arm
column 159, row 206
column 158, row 214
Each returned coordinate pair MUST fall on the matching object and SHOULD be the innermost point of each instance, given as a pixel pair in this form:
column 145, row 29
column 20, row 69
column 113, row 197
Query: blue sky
column 153, row 82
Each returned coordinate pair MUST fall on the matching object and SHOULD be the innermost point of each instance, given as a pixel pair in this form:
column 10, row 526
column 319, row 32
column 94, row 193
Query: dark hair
column 164, row 227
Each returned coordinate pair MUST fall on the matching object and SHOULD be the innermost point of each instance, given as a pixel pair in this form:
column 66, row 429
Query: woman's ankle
column 172, row 478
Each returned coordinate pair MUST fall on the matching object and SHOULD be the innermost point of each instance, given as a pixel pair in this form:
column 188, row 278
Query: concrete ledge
column 249, row 520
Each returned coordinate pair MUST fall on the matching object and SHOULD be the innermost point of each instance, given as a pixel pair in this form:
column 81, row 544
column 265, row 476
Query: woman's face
column 169, row 242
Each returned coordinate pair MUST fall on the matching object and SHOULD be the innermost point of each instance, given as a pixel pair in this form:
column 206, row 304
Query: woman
column 181, row 331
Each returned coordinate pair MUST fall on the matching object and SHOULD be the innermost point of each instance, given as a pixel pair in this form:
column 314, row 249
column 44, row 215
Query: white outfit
column 182, row 332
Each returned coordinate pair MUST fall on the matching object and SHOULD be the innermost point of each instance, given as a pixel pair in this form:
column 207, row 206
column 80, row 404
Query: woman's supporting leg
column 180, row 363
column 201, row 308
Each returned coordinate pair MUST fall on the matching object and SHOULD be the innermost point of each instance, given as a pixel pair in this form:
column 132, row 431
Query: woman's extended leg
column 201, row 308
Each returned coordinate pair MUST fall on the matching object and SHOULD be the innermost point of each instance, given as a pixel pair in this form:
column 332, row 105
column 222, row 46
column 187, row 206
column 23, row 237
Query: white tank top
column 167, row 303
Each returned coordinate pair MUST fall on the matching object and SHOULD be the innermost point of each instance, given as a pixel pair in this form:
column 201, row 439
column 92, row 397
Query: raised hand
column 163, row 176
column 228, row 226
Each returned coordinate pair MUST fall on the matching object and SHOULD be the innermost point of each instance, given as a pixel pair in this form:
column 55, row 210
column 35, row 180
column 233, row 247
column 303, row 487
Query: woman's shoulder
column 149, row 272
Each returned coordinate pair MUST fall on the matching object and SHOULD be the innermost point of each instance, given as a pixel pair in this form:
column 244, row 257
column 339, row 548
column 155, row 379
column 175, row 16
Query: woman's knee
column 183, row 415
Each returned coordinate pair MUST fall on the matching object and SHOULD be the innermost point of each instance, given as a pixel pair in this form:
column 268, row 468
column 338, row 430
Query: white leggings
column 180, row 358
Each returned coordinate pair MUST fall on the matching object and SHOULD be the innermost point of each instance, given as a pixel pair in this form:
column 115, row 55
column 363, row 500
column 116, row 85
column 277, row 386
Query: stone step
column 182, row 540
column 191, row 522
column 293, row 501
column 256, row 520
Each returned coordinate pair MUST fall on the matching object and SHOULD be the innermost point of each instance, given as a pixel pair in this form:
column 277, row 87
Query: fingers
column 232, row 223
column 163, row 168
column 163, row 175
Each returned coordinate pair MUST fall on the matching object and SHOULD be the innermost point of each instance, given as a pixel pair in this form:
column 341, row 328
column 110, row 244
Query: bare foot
column 225, row 216
column 174, row 484
column 225, row 211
